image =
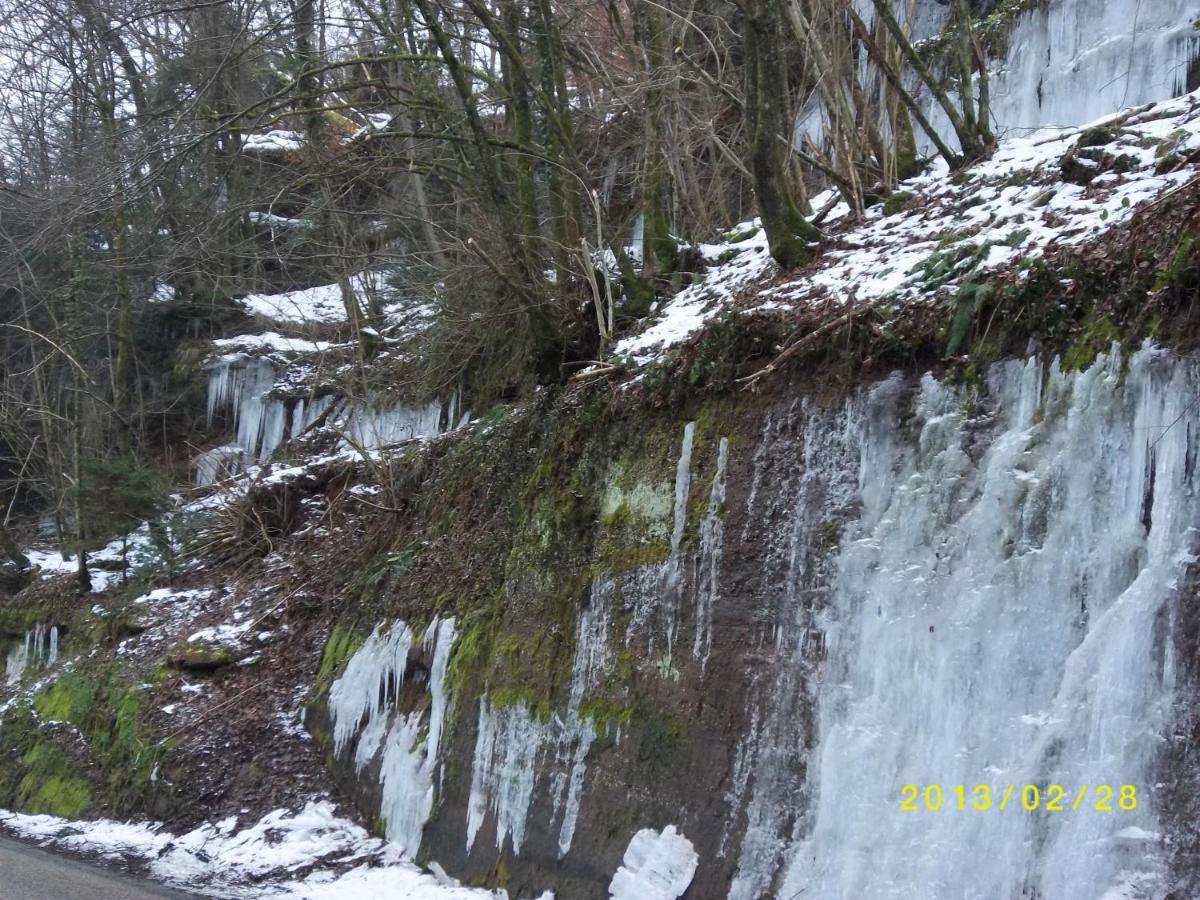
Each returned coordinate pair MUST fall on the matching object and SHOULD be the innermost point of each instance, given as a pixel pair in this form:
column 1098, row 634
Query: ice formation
column 578, row 731
column 512, row 740
column 504, row 771
column 367, row 687
column 993, row 614
column 407, row 744
column 217, row 464
column 39, row 648
column 369, row 427
column 244, row 384
column 806, row 468
column 658, row 865
column 410, row 759
column 708, row 564
column 1072, row 61
column 673, row 570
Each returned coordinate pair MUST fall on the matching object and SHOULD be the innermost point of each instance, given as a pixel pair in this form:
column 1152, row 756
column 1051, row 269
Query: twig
column 203, row 716
column 802, row 343
column 1172, row 192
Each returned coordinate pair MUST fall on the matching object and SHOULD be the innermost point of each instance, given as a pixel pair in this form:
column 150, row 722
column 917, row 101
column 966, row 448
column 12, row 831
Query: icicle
column 504, row 771
column 578, row 732
column 368, row 688
column 38, row 648
column 673, row 572
column 217, row 464
column 712, row 535
column 1071, row 62
column 406, row 773
column 14, row 666
column 374, row 428
column 798, row 493
column 373, row 676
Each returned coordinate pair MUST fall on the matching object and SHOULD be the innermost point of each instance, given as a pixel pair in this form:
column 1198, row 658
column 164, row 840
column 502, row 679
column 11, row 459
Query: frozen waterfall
column 262, row 419
column 934, row 584
column 39, row 648
column 998, row 612
column 1070, row 62
column 405, row 743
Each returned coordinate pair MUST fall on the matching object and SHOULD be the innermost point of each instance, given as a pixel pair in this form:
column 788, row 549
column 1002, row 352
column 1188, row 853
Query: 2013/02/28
column 1030, row 797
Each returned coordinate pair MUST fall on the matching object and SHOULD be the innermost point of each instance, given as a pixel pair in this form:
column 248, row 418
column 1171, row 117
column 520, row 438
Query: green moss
column 200, row 657
column 605, row 714
column 649, row 505
column 69, row 699
column 1180, row 267
column 342, row 644
column 472, row 649
column 614, row 557
column 497, row 877
column 1096, row 136
column 508, row 696
column 1099, row 332
column 51, row 785
column 619, row 517
column 896, row 202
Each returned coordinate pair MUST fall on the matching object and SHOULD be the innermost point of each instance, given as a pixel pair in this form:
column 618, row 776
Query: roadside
column 28, row 873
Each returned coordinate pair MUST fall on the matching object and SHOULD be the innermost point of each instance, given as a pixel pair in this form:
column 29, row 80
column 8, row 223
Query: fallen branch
column 1191, row 182
column 597, row 373
column 803, row 343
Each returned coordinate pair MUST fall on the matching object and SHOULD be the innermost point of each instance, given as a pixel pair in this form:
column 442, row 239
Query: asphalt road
column 27, row 873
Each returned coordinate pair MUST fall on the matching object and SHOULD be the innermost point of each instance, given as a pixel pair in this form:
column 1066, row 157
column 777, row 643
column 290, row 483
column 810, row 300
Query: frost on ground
column 1051, row 189
column 308, row 854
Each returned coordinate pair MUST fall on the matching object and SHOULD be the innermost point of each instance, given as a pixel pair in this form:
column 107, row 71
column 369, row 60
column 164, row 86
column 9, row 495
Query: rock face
column 757, row 623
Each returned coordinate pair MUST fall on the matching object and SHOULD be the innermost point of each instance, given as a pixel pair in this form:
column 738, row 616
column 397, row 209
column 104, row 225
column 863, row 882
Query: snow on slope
column 268, row 342
column 107, row 566
column 1003, row 213
column 323, row 304
column 271, row 858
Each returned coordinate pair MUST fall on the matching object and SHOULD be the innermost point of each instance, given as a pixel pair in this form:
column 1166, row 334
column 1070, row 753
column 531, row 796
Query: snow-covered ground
column 1000, row 214
column 323, row 304
column 319, row 304
column 108, row 566
column 312, row 854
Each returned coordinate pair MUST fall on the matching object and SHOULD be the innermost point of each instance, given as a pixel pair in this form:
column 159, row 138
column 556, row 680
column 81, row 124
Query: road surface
column 27, row 873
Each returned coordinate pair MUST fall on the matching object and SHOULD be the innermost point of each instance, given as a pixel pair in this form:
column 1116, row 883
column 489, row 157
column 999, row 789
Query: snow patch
column 261, row 860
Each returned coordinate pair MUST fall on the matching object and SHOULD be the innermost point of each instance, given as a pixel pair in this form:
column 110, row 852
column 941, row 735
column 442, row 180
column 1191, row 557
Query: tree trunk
column 768, row 123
